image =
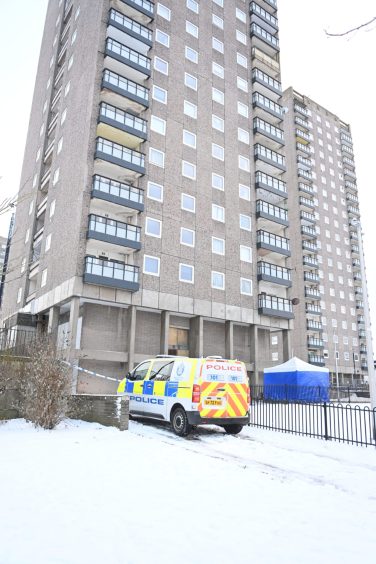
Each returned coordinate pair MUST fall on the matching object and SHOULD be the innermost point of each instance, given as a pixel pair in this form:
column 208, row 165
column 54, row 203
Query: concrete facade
column 154, row 211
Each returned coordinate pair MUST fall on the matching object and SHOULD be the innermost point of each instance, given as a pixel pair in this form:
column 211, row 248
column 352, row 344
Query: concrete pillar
column 286, row 344
column 53, row 319
column 132, row 312
column 229, row 339
column 196, row 336
column 73, row 321
column 165, row 326
column 254, row 354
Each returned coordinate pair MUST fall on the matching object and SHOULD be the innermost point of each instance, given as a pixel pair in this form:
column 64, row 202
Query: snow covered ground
column 86, row 494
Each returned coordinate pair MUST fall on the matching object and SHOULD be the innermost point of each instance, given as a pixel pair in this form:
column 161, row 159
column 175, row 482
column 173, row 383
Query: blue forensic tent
column 296, row 380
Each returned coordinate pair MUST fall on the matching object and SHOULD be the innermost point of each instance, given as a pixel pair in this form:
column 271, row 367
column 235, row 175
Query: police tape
column 80, row 369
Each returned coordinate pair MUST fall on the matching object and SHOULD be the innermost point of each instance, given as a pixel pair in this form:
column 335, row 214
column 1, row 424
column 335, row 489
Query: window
column 246, row 288
column 156, row 157
column 242, row 84
column 242, row 109
column 19, row 295
column 274, row 340
column 44, row 278
column 217, row 280
column 74, row 36
column 218, row 2
column 218, row 181
column 191, row 55
column 155, row 191
column 245, row 222
column 218, row 123
column 218, row 246
column 243, row 135
column 161, row 65
column 190, row 109
column 23, row 265
column 189, row 139
column 66, row 89
column 241, row 15
column 218, row 152
column 59, row 146
column 188, row 203
column 162, row 37
column 218, row 70
column 77, row 13
column 27, row 235
column 244, row 192
column 151, row 265
column 47, row 245
column 141, row 371
column 187, row 237
column 241, row 60
column 188, row 170
column 158, row 125
column 241, row 37
column 163, row 11
column 190, row 81
column 70, row 62
column 186, row 273
column 37, row 157
column 218, row 213
column 217, row 21
column 63, row 116
column 218, row 96
column 160, row 94
column 245, row 253
column 55, row 177
column 218, row 45
column 52, row 208
column 244, row 163
column 31, row 207
column 192, row 5
column 153, row 227
column 191, row 29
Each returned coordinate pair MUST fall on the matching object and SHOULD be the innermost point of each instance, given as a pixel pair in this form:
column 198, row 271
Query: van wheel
column 179, row 422
column 233, row 429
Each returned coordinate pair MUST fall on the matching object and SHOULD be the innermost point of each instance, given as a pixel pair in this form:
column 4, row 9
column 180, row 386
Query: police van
column 189, row 391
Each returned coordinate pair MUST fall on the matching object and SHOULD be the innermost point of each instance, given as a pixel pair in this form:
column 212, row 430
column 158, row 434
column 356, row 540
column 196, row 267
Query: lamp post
column 367, row 320
column 336, row 364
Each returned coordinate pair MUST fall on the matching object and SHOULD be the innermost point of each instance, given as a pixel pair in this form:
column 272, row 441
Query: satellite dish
column 295, row 301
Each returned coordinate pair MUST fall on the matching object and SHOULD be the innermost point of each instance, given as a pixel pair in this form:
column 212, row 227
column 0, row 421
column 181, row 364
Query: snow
column 84, row 493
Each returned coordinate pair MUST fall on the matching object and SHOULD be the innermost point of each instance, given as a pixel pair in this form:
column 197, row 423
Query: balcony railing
column 275, row 306
column 120, row 155
column 311, row 277
column 272, row 156
column 266, row 80
column 273, row 273
column 313, row 309
column 265, row 59
column 300, row 121
column 264, row 35
column 348, row 172
column 268, row 182
column 269, row 211
column 112, row 231
column 129, row 56
column 304, row 161
column 309, row 246
column 306, row 216
column 302, row 135
column 306, row 202
column 314, row 325
column 346, row 138
column 111, row 273
column 315, row 343
column 306, row 188
column 352, row 198
column 362, row 334
column 308, row 231
column 304, row 148
column 266, row 128
column 267, row 16
column 267, row 104
column 124, row 120
column 118, row 193
column 299, row 108
column 316, row 359
column 125, row 87
column 310, row 261
column 305, row 173
column 312, row 293
column 144, row 6
column 272, row 242
column 131, row 26
column 351, row 185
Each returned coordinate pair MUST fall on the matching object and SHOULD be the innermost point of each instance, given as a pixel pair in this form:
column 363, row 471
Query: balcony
column 302, row 136
column 42, row 207
column 313, row 309
column 308, row 232
column 314, row 325
column 267, row 82
column 306, row 188
column 306, row 217
column 361, row 321
column 349, row 173
column 44, row 181
column 311, row 277
column 347, row 149
column 115, row 232
column 363, row 349
column 310, row 261
column 359, row 291
column 117, row 119
column 316, row 359
column 274, row 306
column 353, row 210
column 309, row 246
column 306, row 174
column 357, row 277
column 269, row 157
column 142, row 9
column 299, row 108
column 364, row 365
column 359, row 305
column 118, row 193
column 266, row 104
column 346, row 139
column 54, row 118
column 351, row 185
column 356, row 264
column 312, row 293
column 270, row 42
column 301, row 122
column 274, row 134
column 304, row 148
column 271, row 212
column 117, row 55
column 120, row 156
column 271, row 184
column 352, row 198
column 111, row 273
column 269, row 242
column 273, row 273
column 348, row 161
column 139, row 36
column 306, row 202
column 313, row 343
column 355, row 249
column 136, row 96
column 362, row 334
column 262, row 59
column 265, row 16
column 303, row 162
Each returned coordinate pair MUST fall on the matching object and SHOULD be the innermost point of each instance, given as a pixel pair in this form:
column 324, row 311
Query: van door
column 155, row 388
column 224, row 387
column 135, row 387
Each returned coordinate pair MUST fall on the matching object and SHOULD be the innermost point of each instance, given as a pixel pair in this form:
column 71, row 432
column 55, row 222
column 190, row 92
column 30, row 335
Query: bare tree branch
column 350, row 30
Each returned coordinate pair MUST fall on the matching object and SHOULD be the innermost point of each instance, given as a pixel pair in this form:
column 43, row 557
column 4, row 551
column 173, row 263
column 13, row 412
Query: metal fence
column 341, row 422
column 15, row 343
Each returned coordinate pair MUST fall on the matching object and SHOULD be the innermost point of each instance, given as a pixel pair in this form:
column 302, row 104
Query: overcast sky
column 338, row 73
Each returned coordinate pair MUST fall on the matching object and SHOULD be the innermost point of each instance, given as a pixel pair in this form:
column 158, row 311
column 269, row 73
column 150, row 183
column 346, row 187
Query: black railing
column 305, row 410
column 16, row 342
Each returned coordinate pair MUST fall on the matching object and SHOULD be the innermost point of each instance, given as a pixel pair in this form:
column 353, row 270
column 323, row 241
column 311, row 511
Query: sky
column 332, row 71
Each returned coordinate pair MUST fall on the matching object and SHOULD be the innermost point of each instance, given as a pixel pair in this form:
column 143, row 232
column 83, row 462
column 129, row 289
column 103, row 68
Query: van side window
column 140, row 372
column 161, row 370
